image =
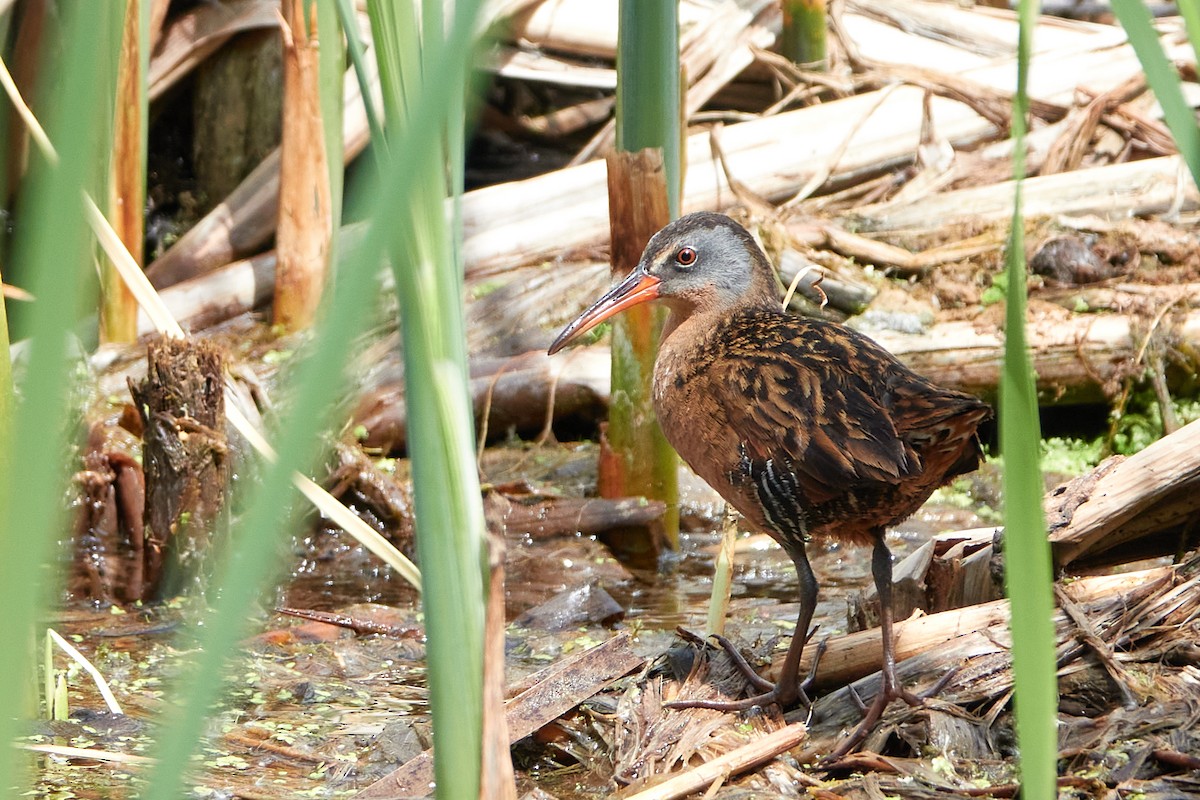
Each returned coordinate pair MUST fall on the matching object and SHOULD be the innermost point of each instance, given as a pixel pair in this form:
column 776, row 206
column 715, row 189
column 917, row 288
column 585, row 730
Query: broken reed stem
column 305, row 227
column 639, row 461
column 718, row 602
column 79, row 658
column 496, row 774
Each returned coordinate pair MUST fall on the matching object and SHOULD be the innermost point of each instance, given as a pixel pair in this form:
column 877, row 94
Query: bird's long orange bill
column 637, row 288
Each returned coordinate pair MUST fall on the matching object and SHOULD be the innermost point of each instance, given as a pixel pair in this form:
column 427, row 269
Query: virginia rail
column 808, row 428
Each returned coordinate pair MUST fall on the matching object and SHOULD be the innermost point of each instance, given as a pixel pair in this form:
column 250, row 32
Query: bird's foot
column 768, row 692
column 890, row 691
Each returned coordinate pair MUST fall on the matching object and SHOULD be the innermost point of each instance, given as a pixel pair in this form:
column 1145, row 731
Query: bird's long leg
column 788, row 689
column 789, row 675
column 881, row 569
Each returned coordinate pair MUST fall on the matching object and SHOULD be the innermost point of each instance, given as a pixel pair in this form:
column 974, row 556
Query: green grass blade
column 357, row 51
column 446, row 498
column 1028, row 573
column 8, row 399
column 1163, row 79
column 332, row 56
column 54, row 248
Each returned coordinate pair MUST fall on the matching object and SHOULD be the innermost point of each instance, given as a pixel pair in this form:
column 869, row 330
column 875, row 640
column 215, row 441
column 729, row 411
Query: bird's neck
column 709, row 307
column 689, row 322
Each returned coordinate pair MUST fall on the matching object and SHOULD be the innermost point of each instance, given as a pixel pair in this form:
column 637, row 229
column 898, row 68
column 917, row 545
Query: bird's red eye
column 685, row 257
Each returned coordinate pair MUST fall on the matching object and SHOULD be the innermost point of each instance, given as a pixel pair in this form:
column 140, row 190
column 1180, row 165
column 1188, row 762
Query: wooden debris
column 384, row 502
column 851, row 657
column 305, row 228
column 1135, row 610
column 523, row 393
column 1150, row 498
column 182, row 407
column 217, row 296
column 110, row 550
column 542, row 517
column 555, row 690
column 359, row 625
column 773, row 156
column 719, row 769
column 1078, row 358
column 1138, row 188
column 496, row 771
column 650, row 742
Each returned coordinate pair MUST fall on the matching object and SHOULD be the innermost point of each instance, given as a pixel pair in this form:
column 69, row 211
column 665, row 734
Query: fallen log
column 1135, row 188
column 1152, row 495
column 544, row 517
column 1078, row 358
column 523, row 393
column 1126, row 509
column 855, row 655
column 216, row 296
column 773, row 157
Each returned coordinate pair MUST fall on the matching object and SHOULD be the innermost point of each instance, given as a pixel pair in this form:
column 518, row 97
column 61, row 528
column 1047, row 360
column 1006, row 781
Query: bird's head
column 702, row 261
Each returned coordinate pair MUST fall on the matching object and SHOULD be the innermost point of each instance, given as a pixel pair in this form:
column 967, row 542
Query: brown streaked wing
column 792, row 403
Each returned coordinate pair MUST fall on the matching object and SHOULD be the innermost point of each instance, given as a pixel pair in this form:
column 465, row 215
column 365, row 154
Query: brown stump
column 184, row 456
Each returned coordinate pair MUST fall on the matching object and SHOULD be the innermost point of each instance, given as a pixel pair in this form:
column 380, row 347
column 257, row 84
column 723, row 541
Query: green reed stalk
column 648, row 116
column 7, row 396
column 53, row 247
column 1028, row 573
column 446, row 494
column 803, row 36
column 648, row 100
column 332, row 56
column 1190, row 11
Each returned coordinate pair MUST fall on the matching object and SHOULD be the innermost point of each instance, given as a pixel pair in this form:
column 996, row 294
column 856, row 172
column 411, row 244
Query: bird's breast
column 692, row 418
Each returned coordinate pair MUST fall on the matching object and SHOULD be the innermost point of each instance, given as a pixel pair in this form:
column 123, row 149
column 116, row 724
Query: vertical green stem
column 446, row 493
column 803, row 36
column 648, row 99
column 1028, row 573
column 53, row 248
column 648, row 116
column 332, row 55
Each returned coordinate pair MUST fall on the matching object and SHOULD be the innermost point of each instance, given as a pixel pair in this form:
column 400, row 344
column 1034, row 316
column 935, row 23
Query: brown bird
column 808, row 428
